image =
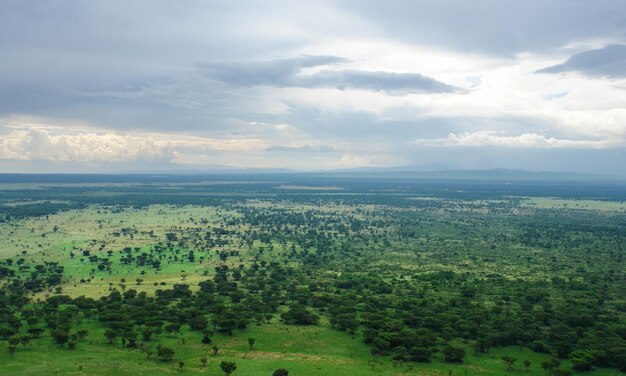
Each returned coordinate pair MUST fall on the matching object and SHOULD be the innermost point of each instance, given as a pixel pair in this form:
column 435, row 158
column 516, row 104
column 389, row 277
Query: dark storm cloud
column 286, row 73
column 497, row 27
column 609, row 61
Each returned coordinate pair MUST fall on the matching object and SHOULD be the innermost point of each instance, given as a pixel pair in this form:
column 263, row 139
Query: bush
column 165, row 353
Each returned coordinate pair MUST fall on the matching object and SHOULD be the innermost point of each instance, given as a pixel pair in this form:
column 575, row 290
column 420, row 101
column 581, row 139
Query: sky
column 186, row 85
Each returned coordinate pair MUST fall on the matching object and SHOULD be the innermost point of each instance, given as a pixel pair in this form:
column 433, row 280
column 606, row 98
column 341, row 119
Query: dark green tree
column 228, row 367
column 453, row 354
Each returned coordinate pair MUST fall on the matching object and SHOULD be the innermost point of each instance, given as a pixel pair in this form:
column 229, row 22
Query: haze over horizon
column 189, row 85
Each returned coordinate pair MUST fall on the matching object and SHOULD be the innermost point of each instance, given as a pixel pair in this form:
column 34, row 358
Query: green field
column 388, row 274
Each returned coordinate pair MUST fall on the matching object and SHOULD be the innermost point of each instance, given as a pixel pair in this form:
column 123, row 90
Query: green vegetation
column 372, row 277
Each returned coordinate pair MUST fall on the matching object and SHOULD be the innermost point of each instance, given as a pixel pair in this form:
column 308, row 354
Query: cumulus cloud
column 609, row 61
column 527, row 140
column 288, row 73
column 38, row 144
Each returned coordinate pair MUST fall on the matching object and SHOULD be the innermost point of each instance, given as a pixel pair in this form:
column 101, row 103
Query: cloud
column 527, row 140
column 503, row 27
column 278, row 73
column 353, row 160
column 302, row 149
column 609, row 61
column 553, row 96
column 38, row 144
column 283, row 73
column 248, row 84
column 393, row 83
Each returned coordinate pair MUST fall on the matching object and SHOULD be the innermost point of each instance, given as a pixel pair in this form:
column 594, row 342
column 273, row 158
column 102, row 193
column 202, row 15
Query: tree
column 420, row 354
column 198, row 323
column 129, row 339
column 148, row 350
column 82, row 334
column 12, row 349
column 228, row 367
column 110, row 334
column 550, row 364
column 60, row 337
column 203, row 360
column 582, row 360
column 146, row 334
column 181, row 364
column 35, row 332
column 526, row 364
column 509, row 361
column 172, row 328
column 299, row 315
column 24, row 340
column 165, row 353
column 559, row 372
column 215, row 349
column 251, row 342
column 206, row 339
column 453, row 354
column 281, row 372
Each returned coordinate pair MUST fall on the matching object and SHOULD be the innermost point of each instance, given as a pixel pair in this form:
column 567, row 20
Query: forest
column 312, row 274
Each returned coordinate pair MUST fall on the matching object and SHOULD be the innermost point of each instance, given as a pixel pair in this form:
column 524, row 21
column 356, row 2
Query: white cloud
column 351, row 160
column 38, row 144
column 527, row 140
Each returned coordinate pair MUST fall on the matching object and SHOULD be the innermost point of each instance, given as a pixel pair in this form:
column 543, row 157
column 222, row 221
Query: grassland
column 479, row 253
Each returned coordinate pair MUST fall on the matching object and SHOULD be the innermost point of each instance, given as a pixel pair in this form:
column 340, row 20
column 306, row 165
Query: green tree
column 281, row 372
column 206, row 339
column 110, row 334
column 147, row 349
column 24, row 340
column 509, row 361
column 60, row 337
column 582, row 360
column 165, row 353
column 559, row 372
column 420, row 354
column 251, row 342
column 550, row 364
column 453, row 354
column 228, row 367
